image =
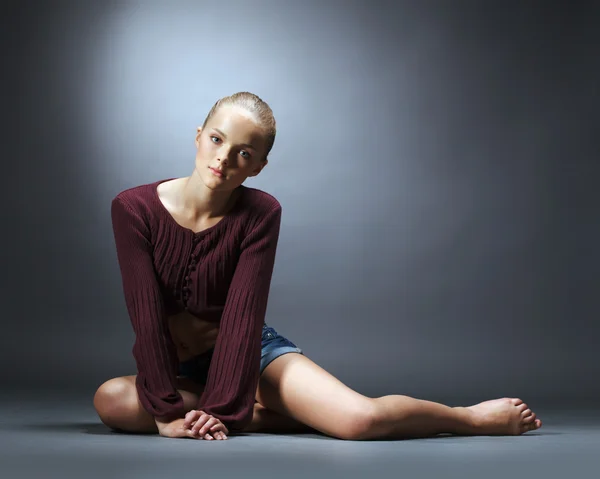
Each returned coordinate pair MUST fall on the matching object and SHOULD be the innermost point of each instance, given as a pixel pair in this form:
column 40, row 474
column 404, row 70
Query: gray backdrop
column 437, row 164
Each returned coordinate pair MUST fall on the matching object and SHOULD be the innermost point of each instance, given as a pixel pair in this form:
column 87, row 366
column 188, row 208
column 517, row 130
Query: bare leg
column 295, row 386
column 403, row 416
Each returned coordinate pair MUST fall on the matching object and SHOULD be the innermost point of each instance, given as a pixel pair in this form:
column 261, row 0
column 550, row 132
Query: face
column 233, row 143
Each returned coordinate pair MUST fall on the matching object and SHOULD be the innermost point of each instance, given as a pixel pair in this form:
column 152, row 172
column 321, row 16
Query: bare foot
column 506, row 416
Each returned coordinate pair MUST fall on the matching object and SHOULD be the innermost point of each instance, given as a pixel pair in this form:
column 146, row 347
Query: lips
column 217, row 172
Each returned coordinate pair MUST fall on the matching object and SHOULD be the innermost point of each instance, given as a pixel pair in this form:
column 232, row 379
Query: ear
column 197, row 139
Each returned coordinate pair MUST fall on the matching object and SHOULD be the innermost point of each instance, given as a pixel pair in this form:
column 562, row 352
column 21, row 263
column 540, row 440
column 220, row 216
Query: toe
column 516, row 401
column 522, row 407
column 532, row 426
column 529, row 419
column 528, row 427
column 526, row 412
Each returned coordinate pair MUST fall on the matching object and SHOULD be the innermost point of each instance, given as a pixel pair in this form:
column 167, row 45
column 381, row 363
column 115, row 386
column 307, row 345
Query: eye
column 213, row 136
column 247, row 154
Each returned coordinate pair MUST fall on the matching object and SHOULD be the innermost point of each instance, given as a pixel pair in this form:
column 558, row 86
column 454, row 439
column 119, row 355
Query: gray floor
column 55, row 436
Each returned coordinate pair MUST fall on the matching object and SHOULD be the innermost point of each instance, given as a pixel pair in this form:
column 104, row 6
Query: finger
column 212, row 425
column 190, row 418
column 190, row 434
column 218, row 434
column 220, row 427
column 208, row 437
column 198, row 425
column 208, row 425
column 200, row 422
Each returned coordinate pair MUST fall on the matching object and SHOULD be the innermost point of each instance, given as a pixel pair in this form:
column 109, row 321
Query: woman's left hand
column 201, row 423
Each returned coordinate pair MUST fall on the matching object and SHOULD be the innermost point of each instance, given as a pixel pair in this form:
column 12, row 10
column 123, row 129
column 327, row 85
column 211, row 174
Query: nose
column 222, row 157
column 224, row 153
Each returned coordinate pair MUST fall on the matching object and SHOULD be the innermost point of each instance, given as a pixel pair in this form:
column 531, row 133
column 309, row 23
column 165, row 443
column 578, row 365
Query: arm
column 235, row 366
column 154, row 351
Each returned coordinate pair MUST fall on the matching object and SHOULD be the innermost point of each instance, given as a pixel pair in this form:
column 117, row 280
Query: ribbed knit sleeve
column 235, row 366
column 153, row 350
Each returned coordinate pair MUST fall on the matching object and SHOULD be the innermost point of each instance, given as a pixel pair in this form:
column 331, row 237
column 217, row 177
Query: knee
column 113, row 401
column 359, row 424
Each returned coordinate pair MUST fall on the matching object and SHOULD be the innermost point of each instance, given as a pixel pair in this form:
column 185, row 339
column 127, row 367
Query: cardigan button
column 187, row 278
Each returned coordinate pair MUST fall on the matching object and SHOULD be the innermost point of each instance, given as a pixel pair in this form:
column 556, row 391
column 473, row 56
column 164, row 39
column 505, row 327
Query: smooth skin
column 294, row 394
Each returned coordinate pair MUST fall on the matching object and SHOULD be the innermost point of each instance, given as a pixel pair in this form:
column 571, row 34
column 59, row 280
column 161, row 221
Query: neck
column 200, row 202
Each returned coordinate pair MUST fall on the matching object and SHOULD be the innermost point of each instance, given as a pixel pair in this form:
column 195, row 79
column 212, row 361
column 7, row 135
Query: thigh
column 293, row 385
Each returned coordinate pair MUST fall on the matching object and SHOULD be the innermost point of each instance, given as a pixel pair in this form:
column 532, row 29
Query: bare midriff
column 192, row 335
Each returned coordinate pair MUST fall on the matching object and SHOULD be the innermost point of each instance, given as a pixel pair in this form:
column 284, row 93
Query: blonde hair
column 255, row 105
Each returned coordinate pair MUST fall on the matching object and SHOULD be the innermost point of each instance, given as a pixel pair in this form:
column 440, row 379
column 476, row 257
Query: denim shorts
column 273, row 346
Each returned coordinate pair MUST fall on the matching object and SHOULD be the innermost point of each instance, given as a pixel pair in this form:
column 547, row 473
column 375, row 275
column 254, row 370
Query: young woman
column 196, row 256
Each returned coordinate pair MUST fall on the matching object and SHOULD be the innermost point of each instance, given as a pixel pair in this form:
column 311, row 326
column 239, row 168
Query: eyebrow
column 224, row 135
